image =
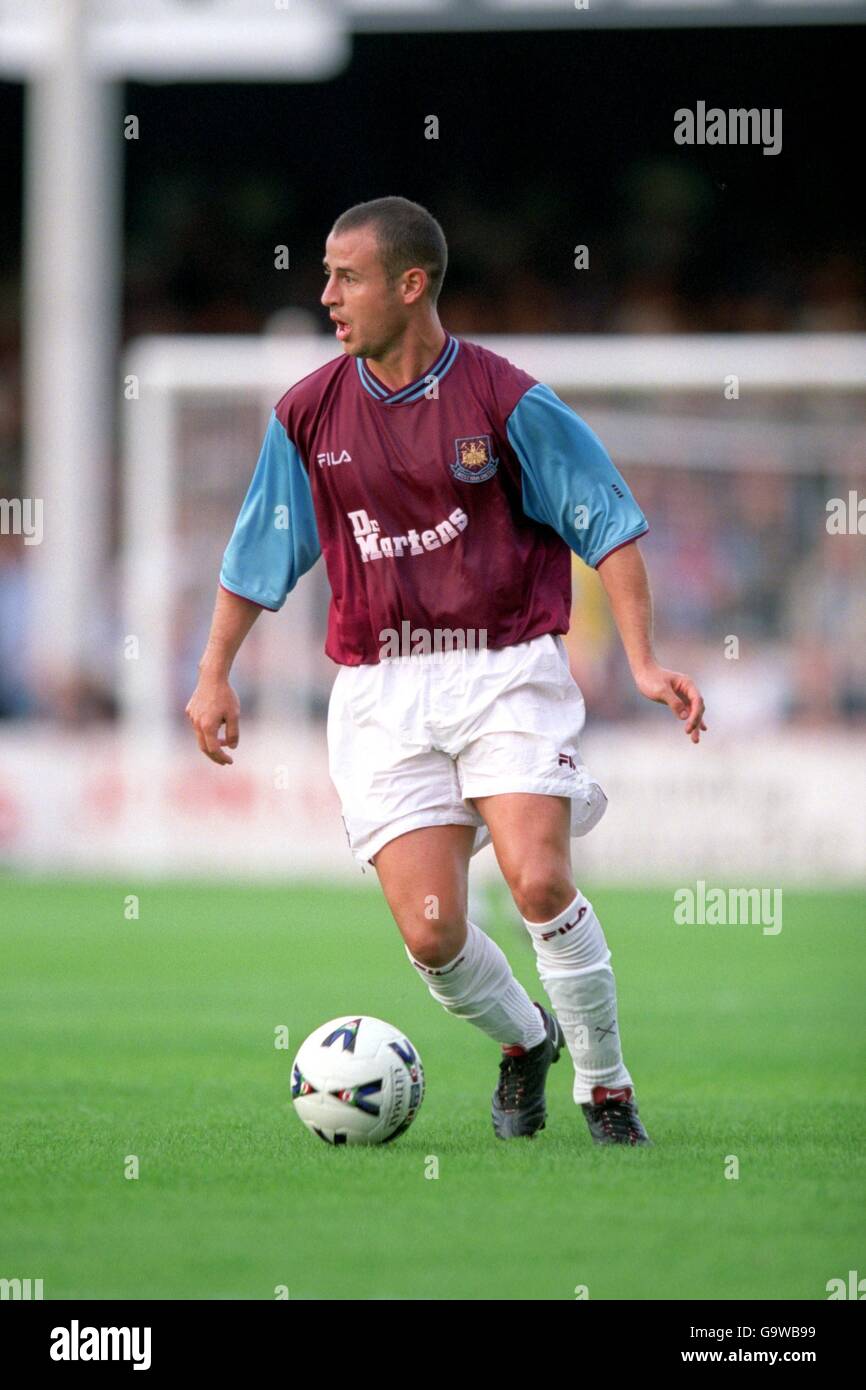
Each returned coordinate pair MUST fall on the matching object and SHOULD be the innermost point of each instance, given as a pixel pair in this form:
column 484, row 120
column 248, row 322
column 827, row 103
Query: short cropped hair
column 407, row 234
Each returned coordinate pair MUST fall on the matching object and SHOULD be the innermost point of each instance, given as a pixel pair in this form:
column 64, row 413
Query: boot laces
column 616, row 1119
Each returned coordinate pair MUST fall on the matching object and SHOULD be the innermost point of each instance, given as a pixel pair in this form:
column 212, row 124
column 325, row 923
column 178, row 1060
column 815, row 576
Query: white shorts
column 413, row 739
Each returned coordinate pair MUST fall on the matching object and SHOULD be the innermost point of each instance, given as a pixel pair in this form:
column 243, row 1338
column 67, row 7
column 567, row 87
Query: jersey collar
column 417, row 388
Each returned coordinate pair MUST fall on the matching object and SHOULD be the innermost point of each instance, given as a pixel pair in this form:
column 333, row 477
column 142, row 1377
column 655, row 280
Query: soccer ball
column 357, row 1081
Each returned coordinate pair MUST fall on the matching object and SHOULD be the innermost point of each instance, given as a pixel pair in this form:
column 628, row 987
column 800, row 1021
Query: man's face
column 368, row 311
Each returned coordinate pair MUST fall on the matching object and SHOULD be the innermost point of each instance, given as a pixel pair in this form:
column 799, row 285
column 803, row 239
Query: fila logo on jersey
column 474, row 461
column 330, row 459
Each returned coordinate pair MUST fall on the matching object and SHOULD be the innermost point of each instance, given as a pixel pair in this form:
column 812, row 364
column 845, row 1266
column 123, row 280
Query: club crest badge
column 474, row 461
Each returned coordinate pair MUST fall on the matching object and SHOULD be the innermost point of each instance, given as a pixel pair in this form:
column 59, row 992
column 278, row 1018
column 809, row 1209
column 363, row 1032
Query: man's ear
column 415, row 283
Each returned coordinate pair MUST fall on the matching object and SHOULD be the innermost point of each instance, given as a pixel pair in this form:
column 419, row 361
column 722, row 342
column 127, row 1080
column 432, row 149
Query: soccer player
column 446, row 489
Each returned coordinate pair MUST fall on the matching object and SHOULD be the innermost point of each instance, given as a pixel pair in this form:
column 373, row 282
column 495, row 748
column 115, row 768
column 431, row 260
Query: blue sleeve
column 569, row 481
column 275, row 539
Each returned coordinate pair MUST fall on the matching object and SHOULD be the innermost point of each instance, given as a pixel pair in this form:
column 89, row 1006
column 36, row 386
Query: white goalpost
column 162, row 372
column 727, row 406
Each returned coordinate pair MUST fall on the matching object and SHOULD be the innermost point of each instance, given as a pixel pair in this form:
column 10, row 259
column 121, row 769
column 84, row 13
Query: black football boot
column 612, row 1116
column 519, row 1107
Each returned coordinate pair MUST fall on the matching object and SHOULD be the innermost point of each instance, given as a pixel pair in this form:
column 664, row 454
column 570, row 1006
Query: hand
column 679, row 692
column 212, row 704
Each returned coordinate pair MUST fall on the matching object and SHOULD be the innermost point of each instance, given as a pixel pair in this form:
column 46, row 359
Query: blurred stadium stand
column 681, row 241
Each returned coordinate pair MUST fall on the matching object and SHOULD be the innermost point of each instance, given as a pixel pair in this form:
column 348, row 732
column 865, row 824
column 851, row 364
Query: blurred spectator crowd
column 744, row 554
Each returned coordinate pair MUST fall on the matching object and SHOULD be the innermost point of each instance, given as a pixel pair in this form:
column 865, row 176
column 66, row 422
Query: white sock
column 478, row 985
column 572, row 958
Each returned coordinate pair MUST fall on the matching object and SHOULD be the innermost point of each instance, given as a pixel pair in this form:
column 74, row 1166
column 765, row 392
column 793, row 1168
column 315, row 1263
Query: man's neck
column 417, row 350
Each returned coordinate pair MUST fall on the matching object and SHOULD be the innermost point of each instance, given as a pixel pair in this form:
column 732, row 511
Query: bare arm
column 214, row 702
column 623, row 574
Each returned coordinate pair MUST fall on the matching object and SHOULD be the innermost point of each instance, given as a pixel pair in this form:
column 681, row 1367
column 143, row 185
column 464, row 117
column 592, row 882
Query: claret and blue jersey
column 453, row 502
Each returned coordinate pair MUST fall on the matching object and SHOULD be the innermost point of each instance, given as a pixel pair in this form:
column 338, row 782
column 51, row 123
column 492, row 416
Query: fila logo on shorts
column 560, row 931
column 566, row 760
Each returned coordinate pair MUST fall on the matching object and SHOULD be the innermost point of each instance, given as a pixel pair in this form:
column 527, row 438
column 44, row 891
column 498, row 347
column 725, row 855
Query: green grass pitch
column 155, row 1038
